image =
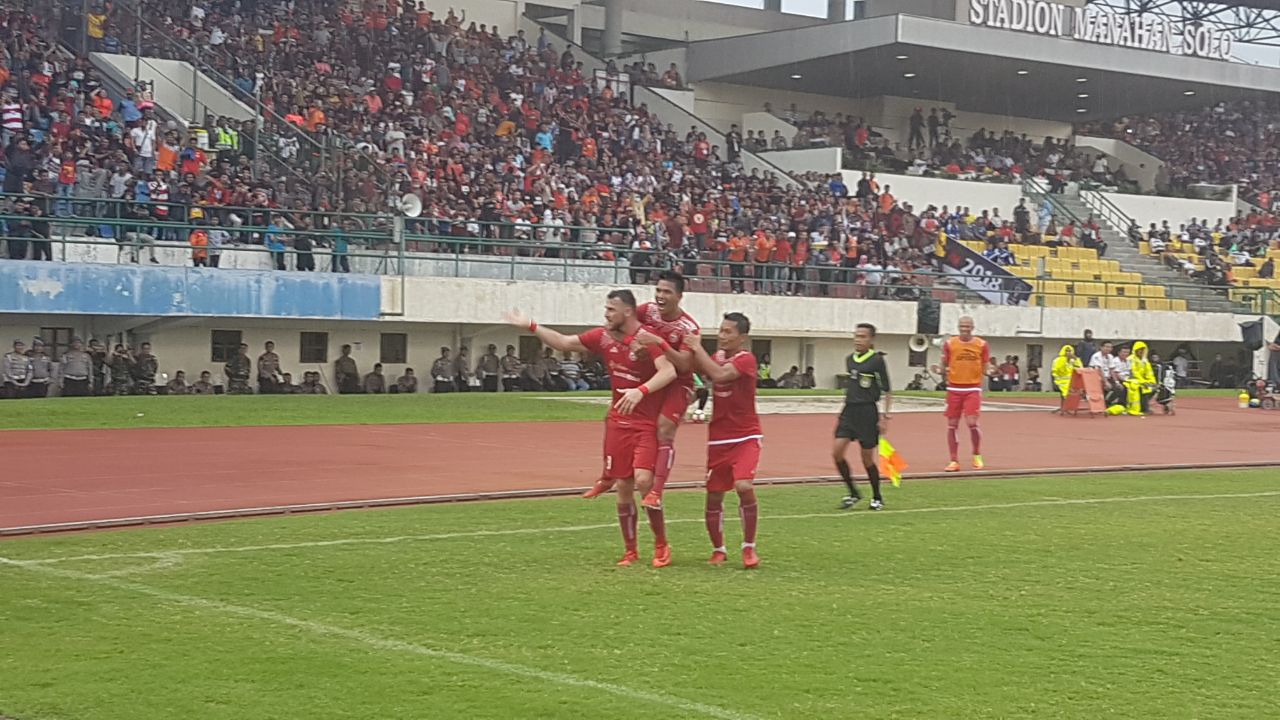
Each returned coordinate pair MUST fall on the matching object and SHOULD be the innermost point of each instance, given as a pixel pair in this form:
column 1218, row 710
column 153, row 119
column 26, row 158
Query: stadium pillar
column 773, row 5
column 836, row 10
column 573, row 26
column 612, row 27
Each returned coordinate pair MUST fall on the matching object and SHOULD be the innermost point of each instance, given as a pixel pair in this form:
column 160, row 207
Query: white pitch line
column 160, row 554
column 393, row 645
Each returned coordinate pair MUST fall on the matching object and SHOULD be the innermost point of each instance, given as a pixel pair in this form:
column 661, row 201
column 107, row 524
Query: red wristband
column 643, row 390
column 666, row 346
column 533, row 326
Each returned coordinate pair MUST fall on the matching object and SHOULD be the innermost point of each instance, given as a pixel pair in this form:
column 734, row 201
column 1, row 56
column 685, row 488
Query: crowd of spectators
column 1228, row 143
column 1208, row 252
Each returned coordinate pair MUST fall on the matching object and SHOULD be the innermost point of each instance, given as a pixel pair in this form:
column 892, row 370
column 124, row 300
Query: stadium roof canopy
column 980, row 69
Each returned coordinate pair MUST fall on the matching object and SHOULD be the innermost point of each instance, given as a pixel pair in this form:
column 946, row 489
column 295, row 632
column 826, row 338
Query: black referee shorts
column 860, row 423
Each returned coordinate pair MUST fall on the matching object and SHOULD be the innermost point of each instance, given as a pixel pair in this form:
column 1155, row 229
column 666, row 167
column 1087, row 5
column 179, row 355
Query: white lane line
column 396, row 646
column 584, row 528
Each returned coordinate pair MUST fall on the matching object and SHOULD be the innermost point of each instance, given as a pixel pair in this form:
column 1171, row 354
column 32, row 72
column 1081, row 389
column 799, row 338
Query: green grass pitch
column 1138, row 596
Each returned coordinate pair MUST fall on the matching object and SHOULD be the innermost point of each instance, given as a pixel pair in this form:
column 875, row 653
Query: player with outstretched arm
column 638, row 373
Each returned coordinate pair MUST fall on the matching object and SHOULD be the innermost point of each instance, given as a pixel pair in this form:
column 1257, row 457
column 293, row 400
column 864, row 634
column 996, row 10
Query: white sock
column 720, row 550
column 748, row 545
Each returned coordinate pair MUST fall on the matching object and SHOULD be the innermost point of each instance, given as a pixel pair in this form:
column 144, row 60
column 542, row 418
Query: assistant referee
column 860, row 419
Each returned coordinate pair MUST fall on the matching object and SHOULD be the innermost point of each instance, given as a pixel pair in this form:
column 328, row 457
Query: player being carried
column 638, row 374
column 733, row 438
column 860, row 419
column 964, row 363
column 667, row 325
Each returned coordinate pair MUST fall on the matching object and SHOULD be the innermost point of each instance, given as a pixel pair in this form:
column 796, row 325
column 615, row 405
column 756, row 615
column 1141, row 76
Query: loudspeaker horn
column 918, row 343
column 410, row 205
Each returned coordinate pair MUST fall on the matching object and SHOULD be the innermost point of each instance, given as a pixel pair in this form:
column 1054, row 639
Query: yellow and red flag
column 891, row 462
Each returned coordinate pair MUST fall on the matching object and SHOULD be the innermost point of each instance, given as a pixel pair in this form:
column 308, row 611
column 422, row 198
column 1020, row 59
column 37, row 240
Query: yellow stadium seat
column 1144, row 247
column 1155, row 304
column 1121, row 303
column 1055, row 287
column 1244, row 272
column 1057, row 301
column 1153, row 291
column 1084, row 301
column 1123, row 290
column 1109, row 266
column 1035, row 300
column 1178, row 304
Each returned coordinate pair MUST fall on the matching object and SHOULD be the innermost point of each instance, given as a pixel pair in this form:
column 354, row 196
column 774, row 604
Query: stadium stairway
column 1200, row 298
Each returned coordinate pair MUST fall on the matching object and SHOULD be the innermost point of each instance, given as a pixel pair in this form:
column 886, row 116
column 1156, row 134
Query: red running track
column 80, row 476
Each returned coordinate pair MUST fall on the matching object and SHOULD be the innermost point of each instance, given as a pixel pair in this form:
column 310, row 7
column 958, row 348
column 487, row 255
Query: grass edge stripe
column 179, row 552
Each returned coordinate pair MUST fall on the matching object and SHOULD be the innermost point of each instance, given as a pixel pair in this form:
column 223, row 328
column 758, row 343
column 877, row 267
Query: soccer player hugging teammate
column 964, row 360
column 733, row 438
column 638, row 374
column 666, row 326
column 860, row 419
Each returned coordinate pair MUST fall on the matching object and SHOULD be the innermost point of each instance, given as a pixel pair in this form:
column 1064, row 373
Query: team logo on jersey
column 674, row 336
column 864, row 380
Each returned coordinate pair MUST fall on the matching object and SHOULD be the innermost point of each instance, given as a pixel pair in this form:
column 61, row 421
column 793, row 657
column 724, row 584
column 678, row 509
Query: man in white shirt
column 144, row 143
column 1106, row 364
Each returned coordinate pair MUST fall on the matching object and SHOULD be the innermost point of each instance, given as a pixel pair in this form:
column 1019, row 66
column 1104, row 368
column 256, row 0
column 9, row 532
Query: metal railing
column 1107, row 210
column 422, row 253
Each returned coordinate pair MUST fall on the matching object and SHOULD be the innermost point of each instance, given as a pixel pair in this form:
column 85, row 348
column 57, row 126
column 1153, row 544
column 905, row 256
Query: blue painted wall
column 41, row 287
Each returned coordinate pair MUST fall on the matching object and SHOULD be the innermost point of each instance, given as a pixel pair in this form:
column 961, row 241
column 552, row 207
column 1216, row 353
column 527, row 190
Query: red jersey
column 627, row 371
column 734, row 418
column 673, row 331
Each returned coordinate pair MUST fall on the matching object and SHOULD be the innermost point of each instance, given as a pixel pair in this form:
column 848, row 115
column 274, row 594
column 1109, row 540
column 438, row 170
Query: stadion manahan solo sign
column 1090, row 24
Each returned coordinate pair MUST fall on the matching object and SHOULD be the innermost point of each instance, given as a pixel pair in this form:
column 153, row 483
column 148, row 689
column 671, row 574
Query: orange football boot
column 662, row 556
column 718, row 557
column 628, row 558
column 602, row 486
column 749, row 558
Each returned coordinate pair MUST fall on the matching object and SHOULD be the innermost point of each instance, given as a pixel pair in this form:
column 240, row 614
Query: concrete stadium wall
column 39, row 287
column 922, row 192
column 178, row 88
column 1148, row 209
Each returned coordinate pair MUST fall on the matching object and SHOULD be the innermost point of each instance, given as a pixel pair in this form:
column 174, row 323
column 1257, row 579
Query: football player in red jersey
column 734, row 437
column 638, row 373
column 666, row 325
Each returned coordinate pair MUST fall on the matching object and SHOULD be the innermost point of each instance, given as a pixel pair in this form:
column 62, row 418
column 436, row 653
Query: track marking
column 392, row 645
column 585, row 528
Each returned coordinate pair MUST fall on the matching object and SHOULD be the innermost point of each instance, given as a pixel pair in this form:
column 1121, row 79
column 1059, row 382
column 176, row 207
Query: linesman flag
column 891, row 462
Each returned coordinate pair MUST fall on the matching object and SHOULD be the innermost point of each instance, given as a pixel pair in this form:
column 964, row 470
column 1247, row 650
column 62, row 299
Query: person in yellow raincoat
column 1142, row 380
column 1064, row 366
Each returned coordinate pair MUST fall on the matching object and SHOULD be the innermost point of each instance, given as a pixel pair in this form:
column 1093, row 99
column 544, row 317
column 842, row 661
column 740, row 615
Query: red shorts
column 731, row 462
column 675, row 401
column 628, row 449
column 968, row 402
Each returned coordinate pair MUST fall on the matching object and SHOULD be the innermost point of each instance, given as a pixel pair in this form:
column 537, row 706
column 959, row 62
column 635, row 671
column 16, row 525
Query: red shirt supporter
column 735, row 418
column 629, row 367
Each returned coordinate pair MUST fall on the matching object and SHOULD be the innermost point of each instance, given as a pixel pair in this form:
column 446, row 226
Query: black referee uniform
column 860, row 418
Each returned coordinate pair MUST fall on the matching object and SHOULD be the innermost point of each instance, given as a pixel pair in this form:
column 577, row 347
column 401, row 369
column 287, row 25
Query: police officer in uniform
column 77, row 367
column 442, row 372
column 860, row 419
column 121, row 370
column 101, row 370
column 15, row 371
column 41, row 370
column 511, row 367
column 145, row 367
column 237, row 371
column 488, row 369
column 268, row 369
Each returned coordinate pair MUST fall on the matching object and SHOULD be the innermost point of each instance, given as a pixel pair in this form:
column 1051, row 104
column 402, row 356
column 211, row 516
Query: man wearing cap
column 41, row 370
column 178, row 385
column 488, row 369
column 15, row 371
column 511, row 368
column 75, row 369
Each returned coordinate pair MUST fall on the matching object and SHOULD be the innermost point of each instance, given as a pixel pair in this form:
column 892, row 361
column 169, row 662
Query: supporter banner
column 971, row 269
column 1091, row 24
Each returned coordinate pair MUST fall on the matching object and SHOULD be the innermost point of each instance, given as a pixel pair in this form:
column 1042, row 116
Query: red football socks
column 953, row 442
column 662, row 469
column 658, row 524
column 975, row 435
column 715, row 525
column 749, row 511
column 627, row 519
